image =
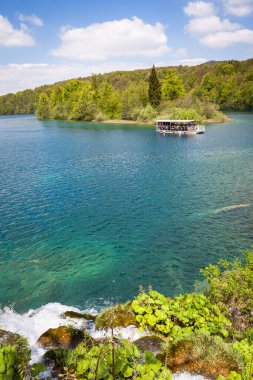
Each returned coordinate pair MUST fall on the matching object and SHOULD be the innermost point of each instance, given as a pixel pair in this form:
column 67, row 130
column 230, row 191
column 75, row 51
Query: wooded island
column 184, row 92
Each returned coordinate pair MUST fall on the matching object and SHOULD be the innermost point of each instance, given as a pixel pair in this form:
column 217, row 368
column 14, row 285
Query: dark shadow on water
column 93, row 126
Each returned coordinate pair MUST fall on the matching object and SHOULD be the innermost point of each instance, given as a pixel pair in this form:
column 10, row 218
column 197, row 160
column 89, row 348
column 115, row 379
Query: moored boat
column 179, row 127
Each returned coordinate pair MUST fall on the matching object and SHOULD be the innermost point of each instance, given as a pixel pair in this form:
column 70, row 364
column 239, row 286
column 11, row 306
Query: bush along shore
column 208, row 333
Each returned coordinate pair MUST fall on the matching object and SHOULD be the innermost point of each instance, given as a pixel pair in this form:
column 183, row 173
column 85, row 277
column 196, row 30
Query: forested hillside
column 196, row 92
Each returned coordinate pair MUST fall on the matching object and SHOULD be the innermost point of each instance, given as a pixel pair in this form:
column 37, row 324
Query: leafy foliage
column 7, row 362
column 245, row 348
column 13, row 363
column 43, row 107
column 181, row 114
column 37, row 369
column 172, row 86
column 61, row 358
column 14, row 356
column 232, row 376
column 230, row 285
column 144, row 115
column 97, row 363
column 180, row 316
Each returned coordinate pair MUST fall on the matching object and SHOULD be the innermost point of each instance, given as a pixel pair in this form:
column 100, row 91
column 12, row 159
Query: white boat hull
column 181, row 133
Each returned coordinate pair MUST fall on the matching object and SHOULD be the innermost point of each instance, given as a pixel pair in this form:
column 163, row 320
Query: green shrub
column 179, row 316
column 245, row 348
column 177, row 113
column 230, row 285
column 232, row 376
column 144, row 114
column 14, row 360
column 124, row 361
column 7, row 362
column 61, row 357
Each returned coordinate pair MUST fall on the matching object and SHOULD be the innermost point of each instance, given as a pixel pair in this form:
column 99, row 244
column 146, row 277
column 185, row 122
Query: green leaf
column 128, row 372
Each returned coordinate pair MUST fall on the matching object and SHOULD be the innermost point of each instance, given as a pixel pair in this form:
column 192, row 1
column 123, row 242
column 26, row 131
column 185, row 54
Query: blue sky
column 46, row 41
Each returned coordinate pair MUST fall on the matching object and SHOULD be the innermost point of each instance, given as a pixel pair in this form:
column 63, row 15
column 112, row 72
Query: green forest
column 196, row 92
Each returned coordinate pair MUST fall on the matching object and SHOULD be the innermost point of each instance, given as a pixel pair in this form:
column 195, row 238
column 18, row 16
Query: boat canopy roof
column 176, row 121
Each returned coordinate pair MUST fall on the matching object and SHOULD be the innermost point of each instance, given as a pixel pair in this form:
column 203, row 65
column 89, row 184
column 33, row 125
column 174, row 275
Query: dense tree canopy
column 139, row 94
column 43, row 111
column 172, row 86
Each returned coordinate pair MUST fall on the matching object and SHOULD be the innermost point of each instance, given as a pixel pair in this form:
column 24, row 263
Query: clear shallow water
column 89, row 212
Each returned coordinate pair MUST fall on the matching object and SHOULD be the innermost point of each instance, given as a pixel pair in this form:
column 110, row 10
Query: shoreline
column 150, row 123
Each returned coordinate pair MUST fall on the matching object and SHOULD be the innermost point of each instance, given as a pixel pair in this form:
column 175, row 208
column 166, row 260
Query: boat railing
column 190, row 126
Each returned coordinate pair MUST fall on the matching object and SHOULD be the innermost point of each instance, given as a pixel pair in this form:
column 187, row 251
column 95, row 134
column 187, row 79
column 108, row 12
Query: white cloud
column 183, row 62
column 180, row 53
column 126, row 37
column 204, row 25
column 32, row 19
column 14, row 37
column 224, row 39
column 214, row 31
column 238, row 8
column 199, row 9
column 191, row 62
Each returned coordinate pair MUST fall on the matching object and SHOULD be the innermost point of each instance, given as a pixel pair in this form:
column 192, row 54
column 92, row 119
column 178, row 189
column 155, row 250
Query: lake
column 89, row 212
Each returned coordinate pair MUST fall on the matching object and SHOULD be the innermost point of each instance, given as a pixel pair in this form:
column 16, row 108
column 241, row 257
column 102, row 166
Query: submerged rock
column 150, row 343
column 116, row 316
column 62, row 336
column 74, row 314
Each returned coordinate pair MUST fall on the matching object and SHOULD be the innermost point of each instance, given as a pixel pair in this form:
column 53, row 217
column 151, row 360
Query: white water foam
column 131, row 333
column 231, row 208
column 35, row 322
column 187, row 376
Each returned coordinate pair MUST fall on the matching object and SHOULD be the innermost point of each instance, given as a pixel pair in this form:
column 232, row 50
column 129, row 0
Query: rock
column 116, row 316
column 8, row 338
column 60, row 357
column 62, row 336
column 74, row 314
column 150, row 343
column 200, row 354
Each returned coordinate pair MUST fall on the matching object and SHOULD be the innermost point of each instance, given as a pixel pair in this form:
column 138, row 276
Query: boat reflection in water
column 179, row 127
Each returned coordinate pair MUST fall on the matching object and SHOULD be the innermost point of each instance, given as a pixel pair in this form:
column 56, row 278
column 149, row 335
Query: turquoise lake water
column 90, row 212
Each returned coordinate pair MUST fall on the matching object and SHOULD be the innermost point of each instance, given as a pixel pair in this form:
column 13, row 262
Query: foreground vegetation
column 142, row 95
column 208, row 333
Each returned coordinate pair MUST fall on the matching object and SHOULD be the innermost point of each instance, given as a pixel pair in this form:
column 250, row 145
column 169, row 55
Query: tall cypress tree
column 154, row 90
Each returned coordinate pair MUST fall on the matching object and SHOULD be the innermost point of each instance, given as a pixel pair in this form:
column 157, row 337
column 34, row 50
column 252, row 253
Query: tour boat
column 179, row 127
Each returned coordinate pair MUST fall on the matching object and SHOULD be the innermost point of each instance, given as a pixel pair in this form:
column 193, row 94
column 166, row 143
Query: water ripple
column 90, row 214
